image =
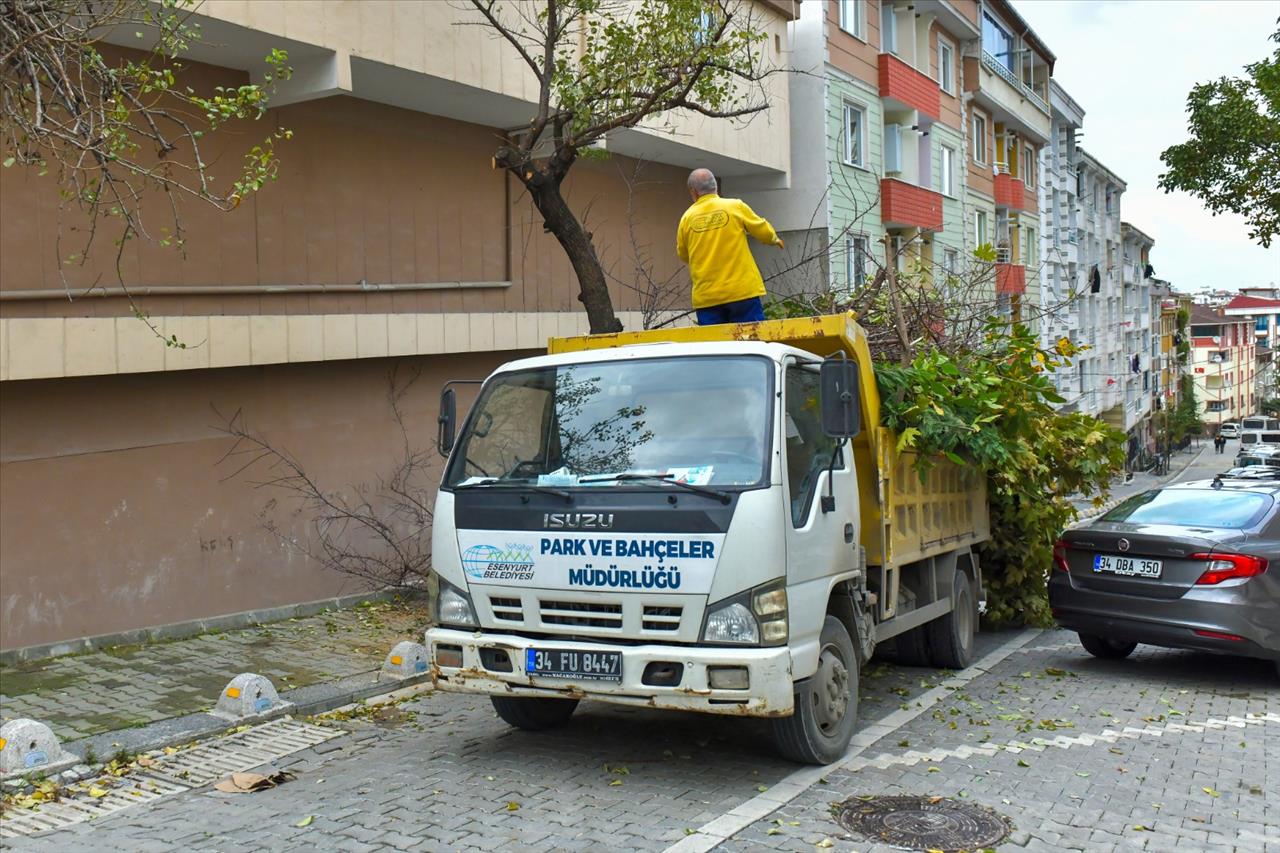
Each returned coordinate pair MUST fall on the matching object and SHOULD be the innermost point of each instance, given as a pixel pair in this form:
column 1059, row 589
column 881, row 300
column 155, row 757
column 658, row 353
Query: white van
column 1252, row 437
column 1258, row 422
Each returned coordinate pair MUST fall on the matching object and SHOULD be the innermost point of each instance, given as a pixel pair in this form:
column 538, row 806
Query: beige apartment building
column 1222, row 366
column 388, row 242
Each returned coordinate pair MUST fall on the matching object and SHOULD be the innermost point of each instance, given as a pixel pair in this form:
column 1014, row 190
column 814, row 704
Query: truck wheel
column 1107, row 649
column 951, row 637
column 533, row 714
column 826, row 707
column 911, row 648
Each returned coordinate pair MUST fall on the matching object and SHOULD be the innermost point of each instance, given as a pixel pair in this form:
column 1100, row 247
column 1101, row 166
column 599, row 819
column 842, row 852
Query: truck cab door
column 819, row 544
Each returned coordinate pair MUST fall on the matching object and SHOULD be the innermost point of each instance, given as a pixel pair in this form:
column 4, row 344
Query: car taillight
column 1224, row 567
column 1060, row 556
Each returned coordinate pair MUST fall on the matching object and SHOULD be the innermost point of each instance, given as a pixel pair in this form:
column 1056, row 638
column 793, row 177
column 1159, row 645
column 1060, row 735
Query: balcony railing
column 999, row 68
column 1002, row 168
column 1004, row 255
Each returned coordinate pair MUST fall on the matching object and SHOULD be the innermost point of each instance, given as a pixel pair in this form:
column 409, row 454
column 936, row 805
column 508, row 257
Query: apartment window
column 947, row 176
column 946, row 66
column 1028, row 166
column 855, row 261
column 997, row 41
column 979, row 138
column 1030, row 246
column 980, row 235
column 855, row 135
column 851, row 17
column 1109, row 195
column 888, row 28
column 951, row 262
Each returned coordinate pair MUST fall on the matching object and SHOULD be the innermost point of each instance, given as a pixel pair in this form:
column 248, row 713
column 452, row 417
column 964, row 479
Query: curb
column 1114, row 502
column 306, row 701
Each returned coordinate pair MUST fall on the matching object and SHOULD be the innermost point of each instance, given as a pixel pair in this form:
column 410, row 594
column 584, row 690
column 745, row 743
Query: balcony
column 903, row 87
column 1009, row 191
column 1009, row 77
column 1010, row 278
column 904, row 205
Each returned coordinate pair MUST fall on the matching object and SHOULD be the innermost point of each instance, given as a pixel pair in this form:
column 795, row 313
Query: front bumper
column 770, row 693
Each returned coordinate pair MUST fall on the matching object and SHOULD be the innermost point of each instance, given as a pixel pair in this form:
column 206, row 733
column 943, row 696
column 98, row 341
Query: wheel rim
column 830, row 692
column 964, row 620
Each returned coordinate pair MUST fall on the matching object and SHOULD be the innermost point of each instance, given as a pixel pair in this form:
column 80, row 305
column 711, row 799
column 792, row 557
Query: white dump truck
column 706, row 519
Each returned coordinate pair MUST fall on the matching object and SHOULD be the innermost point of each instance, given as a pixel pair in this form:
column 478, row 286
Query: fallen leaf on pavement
column 247, row 783
column 306, row 821
column 143, row 761
column 826, row 842
column 1211, row 792
column 513, row 806
column 95, row 791
column 615, row 783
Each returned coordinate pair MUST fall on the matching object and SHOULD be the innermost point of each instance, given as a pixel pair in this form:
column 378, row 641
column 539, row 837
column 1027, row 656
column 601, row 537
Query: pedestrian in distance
column 712, row 241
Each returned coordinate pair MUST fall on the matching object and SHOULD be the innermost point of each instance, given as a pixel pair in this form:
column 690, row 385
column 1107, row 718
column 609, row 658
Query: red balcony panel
column 900, row 82
column 1010, row 192
column 1011, row 278
column 904, row 205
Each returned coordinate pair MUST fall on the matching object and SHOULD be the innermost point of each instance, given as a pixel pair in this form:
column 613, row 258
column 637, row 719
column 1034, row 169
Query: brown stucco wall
column 116, row 514
column 849, row 53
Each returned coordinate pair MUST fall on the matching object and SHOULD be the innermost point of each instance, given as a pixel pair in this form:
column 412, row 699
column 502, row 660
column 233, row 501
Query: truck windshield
column 698, row 420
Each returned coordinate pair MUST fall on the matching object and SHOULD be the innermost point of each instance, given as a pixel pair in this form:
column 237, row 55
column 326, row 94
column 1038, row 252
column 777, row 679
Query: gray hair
column 702, row 182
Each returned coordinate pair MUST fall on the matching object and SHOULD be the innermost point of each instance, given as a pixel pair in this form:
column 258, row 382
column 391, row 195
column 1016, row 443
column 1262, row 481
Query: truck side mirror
column 447, row 421
column 840, row 398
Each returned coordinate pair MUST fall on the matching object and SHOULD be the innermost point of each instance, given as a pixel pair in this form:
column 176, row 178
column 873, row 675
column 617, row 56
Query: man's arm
column 682, row 242
column 757, row 226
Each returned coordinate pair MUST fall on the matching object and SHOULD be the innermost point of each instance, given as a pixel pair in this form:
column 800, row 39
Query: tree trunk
column 593, row 292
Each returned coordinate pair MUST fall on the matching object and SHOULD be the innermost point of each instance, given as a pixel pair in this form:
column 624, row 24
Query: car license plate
column 577, row 664
column 1130, row 566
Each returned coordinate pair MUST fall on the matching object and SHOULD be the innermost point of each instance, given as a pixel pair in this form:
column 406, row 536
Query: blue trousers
column 743, row 311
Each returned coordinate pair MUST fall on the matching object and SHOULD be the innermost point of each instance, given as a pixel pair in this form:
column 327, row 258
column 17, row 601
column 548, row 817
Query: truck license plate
column 574, row 663
column 1131, row 566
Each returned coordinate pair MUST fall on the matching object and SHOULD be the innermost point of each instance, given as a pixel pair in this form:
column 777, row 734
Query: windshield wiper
column 723, row 497
column 512, row 484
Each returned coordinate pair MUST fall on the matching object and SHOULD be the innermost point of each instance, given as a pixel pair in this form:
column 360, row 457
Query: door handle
column 848, row 533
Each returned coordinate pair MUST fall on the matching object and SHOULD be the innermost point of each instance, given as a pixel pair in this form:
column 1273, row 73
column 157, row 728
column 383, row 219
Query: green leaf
column 306, row 821
column 9, row 161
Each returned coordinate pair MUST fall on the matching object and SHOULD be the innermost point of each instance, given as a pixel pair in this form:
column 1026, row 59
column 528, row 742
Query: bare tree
column 115, row 126
column 378, row 533
column 603, row 66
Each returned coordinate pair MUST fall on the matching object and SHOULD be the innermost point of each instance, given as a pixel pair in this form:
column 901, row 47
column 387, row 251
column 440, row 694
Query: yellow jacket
column 712, row 240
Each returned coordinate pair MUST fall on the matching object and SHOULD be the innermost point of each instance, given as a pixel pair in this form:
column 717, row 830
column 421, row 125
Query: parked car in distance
column 1264, row 469
column 1258, row 422
column 1258, row 454
column 1183, row 566
column 1229, row 430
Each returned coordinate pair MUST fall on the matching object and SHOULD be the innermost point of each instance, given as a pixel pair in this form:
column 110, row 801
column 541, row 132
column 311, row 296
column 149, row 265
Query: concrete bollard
column 406, row 660
column 29, row 745
column 248, row 695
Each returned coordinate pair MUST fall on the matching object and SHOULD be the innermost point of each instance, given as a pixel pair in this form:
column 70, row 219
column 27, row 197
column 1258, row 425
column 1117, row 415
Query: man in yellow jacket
column 712, row 240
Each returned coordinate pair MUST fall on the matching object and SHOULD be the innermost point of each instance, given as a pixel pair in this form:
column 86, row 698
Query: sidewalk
column 128, row 687
column 1142, row 481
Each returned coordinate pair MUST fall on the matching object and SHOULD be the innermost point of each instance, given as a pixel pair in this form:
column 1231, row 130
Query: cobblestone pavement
column 127, row 686
column 441, row 772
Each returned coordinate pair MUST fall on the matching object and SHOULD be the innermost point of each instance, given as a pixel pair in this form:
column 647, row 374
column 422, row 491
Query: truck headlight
column 453, row 606
column 755, row 617
column 731, row 623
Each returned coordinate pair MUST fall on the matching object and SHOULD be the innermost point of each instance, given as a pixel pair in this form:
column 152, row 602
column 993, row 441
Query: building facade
column 388, row 246
column 1222, row 365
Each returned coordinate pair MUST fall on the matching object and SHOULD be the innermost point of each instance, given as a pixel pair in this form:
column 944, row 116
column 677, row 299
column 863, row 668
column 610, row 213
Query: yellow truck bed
column 903, row 519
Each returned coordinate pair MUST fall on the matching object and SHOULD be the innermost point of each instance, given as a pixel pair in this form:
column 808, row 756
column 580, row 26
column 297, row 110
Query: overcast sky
column 1130, row 65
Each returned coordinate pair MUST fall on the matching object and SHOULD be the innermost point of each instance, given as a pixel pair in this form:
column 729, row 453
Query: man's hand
column 780, row 244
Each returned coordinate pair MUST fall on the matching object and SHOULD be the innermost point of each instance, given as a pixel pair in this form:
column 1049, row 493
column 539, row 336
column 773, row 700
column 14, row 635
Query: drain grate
column 168, row 775
column 209, row 762
column 924, row 823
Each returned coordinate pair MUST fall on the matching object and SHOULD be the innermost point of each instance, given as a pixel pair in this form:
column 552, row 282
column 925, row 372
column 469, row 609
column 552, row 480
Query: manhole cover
column 924, row 823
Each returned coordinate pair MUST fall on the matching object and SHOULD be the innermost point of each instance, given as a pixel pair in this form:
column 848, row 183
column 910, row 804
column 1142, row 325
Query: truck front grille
column 582, row 614
column 662, row 618
column 506, row 609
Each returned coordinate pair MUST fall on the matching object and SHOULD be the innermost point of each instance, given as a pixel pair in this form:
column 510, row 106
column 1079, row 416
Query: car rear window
column 1193, row 508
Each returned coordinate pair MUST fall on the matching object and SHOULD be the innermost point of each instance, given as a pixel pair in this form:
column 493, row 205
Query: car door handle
column 848, row 533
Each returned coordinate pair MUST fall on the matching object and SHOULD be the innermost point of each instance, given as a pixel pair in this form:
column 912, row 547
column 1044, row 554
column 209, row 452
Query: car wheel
column 533, row 714
column 1107, row 649
column 951, row 637
column 826, row 708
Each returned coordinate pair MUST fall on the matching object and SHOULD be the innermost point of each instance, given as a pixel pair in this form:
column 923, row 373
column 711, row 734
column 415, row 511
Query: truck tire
column 950, row 638
column 911, row 648
column 1105, row 648
column 826, row 708
column 533, row 714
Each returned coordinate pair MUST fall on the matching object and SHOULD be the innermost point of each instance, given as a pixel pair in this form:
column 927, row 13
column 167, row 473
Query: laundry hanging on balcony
column 1137, row 364
column 1095, row 280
